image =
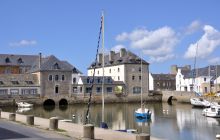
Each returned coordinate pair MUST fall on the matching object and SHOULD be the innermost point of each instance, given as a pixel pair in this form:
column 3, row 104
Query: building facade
column 126, row 67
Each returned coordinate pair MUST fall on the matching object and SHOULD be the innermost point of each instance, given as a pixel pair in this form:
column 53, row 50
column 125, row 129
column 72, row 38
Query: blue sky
column 165, row 32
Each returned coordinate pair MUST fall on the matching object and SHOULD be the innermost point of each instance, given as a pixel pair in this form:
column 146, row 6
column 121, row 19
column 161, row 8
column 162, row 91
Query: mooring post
column 0, row 113
column 88, row 131
column 12, row 116
column 143, row 136
column 30, row 119
column 53, row 123
column 217, row 137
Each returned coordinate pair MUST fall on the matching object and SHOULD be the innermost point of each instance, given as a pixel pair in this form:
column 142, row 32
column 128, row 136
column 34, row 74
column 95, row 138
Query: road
column 16, row 131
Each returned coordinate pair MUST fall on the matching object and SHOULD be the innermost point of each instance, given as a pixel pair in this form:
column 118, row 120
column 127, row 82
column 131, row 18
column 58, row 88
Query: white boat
column 199, row 102
column 24, row 105
column 213, row 111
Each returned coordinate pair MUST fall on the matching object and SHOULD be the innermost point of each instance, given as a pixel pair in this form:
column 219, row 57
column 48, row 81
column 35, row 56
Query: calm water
column 173, row 122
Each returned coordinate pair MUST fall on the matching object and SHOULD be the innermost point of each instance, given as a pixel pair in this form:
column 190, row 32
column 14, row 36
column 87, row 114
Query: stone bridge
column 180, row 96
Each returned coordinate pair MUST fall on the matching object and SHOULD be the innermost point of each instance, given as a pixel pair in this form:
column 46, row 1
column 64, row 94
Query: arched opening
column 49, row 102
column 63, row 102
column 170, row 99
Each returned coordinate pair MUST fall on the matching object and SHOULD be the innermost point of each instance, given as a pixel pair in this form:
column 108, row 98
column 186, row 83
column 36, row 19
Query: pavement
column 15, row 131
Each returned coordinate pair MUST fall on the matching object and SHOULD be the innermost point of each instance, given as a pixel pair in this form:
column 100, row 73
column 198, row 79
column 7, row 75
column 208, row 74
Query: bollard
column 53, row 123
column 0, row 112
column 12, row 116
column 217, row 137
column 143, row 136
column 88, row 131
column 30, row 119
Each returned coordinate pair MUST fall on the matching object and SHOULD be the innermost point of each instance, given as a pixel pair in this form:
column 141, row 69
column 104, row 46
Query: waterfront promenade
column 66, row 130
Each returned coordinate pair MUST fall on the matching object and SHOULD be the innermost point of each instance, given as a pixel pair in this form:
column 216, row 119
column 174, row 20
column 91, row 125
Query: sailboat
column 142, row 112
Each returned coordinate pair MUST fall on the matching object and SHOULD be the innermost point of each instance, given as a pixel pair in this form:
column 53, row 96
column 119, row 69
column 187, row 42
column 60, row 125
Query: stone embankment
column 73, row 130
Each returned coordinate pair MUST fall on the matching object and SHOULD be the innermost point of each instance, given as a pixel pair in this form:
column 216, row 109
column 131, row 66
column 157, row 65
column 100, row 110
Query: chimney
column 111, row 55
column 40, row 59
column 122, row 52
column 100, row 58
column 174, row 69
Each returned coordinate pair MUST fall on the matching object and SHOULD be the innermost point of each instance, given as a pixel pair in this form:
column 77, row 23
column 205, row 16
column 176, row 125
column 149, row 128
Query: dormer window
column 7, row 60
column 20, row 61
column 15, row 82
column 56, row 66
column 29, row 82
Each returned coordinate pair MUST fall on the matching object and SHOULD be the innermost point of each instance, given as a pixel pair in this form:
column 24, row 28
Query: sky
column 163, row 32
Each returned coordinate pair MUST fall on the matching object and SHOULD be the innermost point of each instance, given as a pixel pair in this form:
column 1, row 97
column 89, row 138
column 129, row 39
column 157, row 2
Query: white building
column 124, row 66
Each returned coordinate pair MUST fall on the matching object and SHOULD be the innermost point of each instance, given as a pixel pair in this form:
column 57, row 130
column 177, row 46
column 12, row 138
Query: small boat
column 24, row 105
column 143, row 113
column 213, row 111
column 199, row 102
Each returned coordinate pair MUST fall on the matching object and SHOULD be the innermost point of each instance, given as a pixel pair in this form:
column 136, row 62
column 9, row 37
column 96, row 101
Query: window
column 88, row 90
column 28, row 91
column 19, row 61
column 133, row 77
column 206, row 89
column 74, row 80
column 140, row 78
column 88, row 80
column 98, row 72
column 98, row 89
column 110, row 70
column 7, row 60
column 98, row 80
column 15, row 82
column 139, row 69
column 29, row 82
column 56, row 89
column 118, row 69
column 56, row 77
column 109, row 80
column 50, row 78
column 56, row 66
column 109, row 89
column 1, row 83
column 80, row 89
column 63, row 77
column 14, row 91
column 3, row 91
column 136, row 90
column 74, row 89
column 118, row 78
column 204, row 79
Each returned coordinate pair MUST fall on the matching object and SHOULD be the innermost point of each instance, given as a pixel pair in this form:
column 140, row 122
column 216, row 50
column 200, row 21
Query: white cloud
column 157, row 44
column 193, row 27
column 215, row 60
column 117, row 48
column 23, row 43
column 209, row 41
column 161, row 58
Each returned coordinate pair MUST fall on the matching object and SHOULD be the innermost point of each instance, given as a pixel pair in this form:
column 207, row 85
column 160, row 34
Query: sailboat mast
column 195, row 72
column 141, row 82
column 103, row 64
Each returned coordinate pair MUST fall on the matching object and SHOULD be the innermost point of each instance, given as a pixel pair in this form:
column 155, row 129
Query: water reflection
column 176, row 121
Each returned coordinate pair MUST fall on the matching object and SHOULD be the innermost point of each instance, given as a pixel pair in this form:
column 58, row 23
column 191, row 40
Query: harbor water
column 171, row 122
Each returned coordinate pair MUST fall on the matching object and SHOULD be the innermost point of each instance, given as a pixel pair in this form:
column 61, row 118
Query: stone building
column 34, row 74
column 164, row 81
column 126, row 67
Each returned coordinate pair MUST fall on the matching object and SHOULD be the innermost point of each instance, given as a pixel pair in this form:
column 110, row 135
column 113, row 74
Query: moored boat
column 24, row 105
column 199, row 102
column 213, row 111
column 143, row 113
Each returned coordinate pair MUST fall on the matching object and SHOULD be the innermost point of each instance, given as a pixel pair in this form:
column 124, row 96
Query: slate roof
column 98, row 80
column 17, row 60
column 164, row 76
column 205, row 71
column 47, row 63
column 128, row 58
